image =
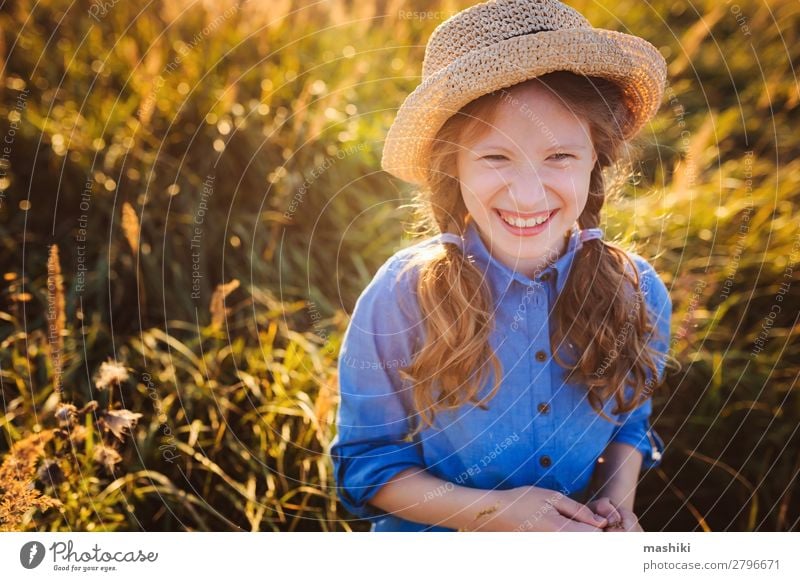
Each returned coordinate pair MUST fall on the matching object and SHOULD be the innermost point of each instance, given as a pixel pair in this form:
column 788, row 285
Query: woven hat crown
column 486, row 24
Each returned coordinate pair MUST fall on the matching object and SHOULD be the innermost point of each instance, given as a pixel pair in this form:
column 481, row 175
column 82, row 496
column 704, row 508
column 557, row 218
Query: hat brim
column 632, row 62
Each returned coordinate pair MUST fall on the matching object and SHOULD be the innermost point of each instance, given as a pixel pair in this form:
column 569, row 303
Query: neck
column 531, row 267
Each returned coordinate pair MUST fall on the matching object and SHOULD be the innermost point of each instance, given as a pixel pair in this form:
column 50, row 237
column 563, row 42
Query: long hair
column 590, row 321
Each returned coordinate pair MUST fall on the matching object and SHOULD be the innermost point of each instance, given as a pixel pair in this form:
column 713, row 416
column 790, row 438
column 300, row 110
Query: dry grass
column 19, row 499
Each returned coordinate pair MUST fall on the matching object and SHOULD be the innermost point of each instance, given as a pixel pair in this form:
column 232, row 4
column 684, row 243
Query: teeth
column 521, row 223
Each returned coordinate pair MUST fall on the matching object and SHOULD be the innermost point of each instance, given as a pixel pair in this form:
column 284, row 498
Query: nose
column 528, row 189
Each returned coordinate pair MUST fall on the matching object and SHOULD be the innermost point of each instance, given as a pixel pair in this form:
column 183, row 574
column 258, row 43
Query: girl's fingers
column 603, row 507
column 578, row 512
column 567, row 525
column 629, row 524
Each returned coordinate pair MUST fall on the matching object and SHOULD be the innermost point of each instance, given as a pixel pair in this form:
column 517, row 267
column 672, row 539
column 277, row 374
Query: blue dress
column 538, row 430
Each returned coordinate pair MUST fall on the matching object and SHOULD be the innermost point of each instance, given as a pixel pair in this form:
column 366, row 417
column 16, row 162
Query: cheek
column 574, row 186
column 480, row 184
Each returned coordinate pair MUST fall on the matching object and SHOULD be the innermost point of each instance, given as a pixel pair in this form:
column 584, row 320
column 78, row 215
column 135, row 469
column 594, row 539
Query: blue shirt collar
column 473, row 245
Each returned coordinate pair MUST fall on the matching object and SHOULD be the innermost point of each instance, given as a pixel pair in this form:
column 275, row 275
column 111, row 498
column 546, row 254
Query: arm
column 370, row 447
column 634, row 445
column 618, row 474
column 619, row 471
column 418, row 496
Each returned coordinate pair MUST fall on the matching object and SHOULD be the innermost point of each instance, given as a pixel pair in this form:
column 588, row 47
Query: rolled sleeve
column 371, row 446
column 636, row 429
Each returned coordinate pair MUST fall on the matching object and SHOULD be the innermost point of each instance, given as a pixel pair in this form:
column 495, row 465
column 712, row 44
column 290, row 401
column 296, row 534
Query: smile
column 525, row 220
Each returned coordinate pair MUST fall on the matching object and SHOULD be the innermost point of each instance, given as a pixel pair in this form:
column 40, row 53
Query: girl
column 497, row 375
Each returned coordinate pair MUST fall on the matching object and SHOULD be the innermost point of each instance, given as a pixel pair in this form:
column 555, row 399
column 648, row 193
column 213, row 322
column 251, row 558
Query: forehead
column 531, row 113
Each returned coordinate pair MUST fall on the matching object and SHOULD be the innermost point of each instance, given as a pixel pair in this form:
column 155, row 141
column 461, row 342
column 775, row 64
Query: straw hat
column 500, row 43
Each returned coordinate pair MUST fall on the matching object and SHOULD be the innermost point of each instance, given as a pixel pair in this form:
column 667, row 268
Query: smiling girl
column 529, row 346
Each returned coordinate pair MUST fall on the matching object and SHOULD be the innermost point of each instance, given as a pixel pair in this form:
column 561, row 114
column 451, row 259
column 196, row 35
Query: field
column 191, row 201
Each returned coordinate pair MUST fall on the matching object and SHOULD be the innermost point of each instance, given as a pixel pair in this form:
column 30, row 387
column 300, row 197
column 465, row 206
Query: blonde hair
column 455, row 299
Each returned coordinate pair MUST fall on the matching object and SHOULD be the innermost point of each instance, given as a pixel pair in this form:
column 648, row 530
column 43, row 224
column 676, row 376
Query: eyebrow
column 569, row 146
column 495, row 146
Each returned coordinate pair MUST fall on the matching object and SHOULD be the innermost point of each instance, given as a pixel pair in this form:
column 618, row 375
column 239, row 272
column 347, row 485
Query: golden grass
column 19, row 499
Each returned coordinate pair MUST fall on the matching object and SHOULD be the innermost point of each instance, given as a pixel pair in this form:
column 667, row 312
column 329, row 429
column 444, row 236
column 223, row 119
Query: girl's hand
column 629, row 524
column 604, row 507
column 530, row 508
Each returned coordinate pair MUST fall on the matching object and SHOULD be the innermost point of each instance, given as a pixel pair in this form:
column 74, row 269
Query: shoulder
column 394, row 284
column 398, row 274
column 652, row 285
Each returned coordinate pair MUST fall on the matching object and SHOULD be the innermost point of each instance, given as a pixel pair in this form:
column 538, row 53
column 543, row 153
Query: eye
column 562, row 156
column 495, row 157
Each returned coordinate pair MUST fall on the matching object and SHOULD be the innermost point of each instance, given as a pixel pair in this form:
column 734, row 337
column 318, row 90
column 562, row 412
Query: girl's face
column 526, row 180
